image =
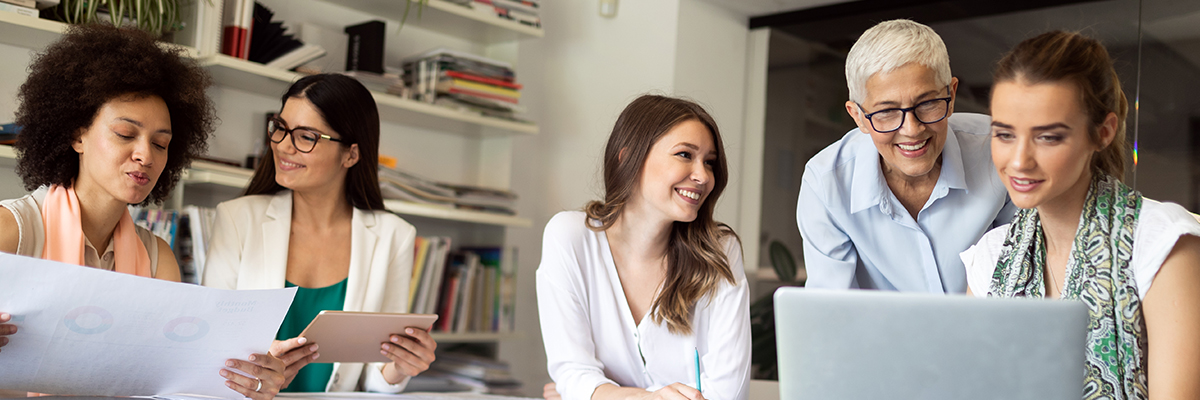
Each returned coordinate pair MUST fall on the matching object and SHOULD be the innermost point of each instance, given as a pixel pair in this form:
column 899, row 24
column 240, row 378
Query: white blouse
column 1159, row 226
column 591, row 337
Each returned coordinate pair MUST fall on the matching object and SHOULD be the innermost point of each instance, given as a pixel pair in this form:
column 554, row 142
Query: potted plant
column 154, row 16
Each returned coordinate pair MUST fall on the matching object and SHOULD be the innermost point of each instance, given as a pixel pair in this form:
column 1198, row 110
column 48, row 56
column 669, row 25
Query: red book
column 235, row 34
column 480, row 79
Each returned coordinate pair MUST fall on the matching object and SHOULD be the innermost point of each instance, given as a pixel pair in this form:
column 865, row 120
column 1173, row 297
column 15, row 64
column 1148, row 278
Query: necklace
column 1053, row 280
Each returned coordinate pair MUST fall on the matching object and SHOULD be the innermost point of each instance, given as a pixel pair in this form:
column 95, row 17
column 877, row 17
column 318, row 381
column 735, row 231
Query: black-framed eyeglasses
column 277, row 130
column 891, row 119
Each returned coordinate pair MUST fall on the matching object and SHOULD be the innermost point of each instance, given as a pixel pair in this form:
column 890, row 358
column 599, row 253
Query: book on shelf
column 27, row 11
column 522, row 11
column 238, row 16
column 8, row 133
column 388, row 82
column 465, row 82
column 203, row 23
column 481, row 374
column 471, row 289
column 187, row 231
column 301, row 55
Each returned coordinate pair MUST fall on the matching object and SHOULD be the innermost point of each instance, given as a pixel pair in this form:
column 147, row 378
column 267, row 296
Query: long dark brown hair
column 350, row 110
column 696, row 260
column 1059, row 56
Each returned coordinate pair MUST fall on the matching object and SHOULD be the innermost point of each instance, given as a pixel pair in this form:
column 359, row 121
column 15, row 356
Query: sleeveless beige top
column 28, row 212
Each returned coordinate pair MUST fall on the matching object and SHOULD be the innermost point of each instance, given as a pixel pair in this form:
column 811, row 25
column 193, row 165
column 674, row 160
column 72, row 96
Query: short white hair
column 890, row 45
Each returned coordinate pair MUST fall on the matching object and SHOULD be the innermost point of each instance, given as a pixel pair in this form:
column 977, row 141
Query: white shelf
column 217, row 174
column 454, row 214
column 28, row 32
column 473, row 23
column 474, row 337
column 7, row 151
column 258, row 78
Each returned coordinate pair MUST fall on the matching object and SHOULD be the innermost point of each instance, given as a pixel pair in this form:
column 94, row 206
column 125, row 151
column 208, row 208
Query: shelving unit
column 28, row 32
column 469, row 22
column 257, row 78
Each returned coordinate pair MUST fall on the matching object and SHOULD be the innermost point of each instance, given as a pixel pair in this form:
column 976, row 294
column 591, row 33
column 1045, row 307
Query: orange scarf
column 62, row 218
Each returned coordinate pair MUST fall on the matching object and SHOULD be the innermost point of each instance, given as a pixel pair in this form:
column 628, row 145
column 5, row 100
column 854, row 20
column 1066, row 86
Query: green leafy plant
column 408, row 6
column 763, row 355
column 154, row 16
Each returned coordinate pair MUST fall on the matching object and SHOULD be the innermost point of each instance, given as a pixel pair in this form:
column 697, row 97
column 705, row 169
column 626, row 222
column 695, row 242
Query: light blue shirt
column 857, row 234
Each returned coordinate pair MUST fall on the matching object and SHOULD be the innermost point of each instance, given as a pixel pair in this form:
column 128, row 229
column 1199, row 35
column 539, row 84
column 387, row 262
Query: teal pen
column 698, row 388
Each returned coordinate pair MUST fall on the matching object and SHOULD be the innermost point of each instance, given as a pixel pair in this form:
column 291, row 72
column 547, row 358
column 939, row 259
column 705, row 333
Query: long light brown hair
column 1059, row 56
column 696, row 260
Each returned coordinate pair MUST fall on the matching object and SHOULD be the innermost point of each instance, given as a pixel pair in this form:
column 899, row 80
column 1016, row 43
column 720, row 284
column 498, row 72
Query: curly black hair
column 89, row 66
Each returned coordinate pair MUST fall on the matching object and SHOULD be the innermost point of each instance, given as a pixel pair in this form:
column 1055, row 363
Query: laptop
column 860, row 344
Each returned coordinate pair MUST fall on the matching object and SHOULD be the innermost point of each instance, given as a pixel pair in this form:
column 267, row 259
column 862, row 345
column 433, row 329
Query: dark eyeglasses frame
column 278, row 124
column 904, row 113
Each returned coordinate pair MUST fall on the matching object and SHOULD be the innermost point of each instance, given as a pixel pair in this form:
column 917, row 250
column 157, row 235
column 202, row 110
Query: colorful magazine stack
column 526, row 12
column 400, row 185
column 465, row 82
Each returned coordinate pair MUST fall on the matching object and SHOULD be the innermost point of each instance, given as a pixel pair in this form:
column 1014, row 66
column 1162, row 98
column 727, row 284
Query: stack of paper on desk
column 84, row 331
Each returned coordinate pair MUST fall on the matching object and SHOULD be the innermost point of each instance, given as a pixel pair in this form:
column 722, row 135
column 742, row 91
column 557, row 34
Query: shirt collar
column 869, row 187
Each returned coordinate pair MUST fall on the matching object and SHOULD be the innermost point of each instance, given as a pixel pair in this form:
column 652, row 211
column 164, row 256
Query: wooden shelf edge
column 452, row 214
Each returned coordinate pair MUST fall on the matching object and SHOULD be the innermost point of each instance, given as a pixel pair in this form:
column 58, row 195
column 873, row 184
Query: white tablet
column 345, row 336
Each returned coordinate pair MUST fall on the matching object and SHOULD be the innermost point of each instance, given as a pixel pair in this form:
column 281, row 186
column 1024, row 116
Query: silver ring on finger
column 259, row 385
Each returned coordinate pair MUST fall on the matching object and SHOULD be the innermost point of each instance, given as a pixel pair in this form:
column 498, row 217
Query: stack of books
column 389, row 82
column 188, row 231
column 471, row 290
column 400, row 185
column 481, row 374
column 526, row 12
column 8, row 134
column 465, row 82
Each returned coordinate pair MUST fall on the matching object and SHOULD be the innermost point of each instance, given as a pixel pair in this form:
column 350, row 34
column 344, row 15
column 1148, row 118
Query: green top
column 309, row 302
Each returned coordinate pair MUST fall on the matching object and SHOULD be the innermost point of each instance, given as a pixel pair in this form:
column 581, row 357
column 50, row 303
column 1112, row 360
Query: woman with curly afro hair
column 110, row 119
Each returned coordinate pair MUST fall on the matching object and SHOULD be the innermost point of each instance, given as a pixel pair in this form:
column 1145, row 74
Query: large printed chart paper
column 84, row 331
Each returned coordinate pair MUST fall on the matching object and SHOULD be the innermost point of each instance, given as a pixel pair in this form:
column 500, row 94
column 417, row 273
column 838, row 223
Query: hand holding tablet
column 360, row 336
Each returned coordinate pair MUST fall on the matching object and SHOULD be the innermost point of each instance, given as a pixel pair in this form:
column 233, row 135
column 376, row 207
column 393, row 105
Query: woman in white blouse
column 643, row 294
column 1058, row 143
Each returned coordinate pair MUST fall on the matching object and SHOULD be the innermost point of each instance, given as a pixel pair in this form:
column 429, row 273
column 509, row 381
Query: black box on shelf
column 365, row 49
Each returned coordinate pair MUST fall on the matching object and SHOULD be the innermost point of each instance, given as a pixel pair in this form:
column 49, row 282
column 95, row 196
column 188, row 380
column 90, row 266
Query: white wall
column 577, row 80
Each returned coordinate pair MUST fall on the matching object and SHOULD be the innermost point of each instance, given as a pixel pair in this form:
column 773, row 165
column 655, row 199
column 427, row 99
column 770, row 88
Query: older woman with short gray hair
column 891, row 204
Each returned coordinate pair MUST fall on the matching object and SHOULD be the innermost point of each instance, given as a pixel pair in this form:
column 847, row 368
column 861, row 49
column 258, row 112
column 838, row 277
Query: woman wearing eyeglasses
column 313, row 217
column 890, row 205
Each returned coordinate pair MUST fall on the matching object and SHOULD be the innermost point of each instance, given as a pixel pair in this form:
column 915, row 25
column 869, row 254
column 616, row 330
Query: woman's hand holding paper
column 6, row 329
column 265, row 380
column 295, row 355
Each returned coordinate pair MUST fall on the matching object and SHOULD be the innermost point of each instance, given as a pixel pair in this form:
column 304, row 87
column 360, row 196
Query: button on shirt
column 591, row 338
column 857, row 234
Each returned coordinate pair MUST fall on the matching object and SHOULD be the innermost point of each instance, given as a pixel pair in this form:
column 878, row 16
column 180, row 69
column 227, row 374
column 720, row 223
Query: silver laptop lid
column 861, row 344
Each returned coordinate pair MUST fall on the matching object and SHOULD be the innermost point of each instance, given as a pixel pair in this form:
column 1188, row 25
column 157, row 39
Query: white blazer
column 249, row 248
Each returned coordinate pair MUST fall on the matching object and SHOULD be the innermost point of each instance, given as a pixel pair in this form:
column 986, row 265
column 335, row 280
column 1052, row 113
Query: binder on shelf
column 364, row 51
column 203, row 22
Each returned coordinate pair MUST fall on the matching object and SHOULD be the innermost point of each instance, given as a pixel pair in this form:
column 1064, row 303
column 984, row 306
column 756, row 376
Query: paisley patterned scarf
column 1097, row 274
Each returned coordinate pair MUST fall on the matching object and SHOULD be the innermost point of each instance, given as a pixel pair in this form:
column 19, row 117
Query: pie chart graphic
column 185, row 329
column 88, row 320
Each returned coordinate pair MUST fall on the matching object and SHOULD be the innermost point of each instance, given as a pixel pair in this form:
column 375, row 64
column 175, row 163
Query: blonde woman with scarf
column 1058, row 144
column 110, row 119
